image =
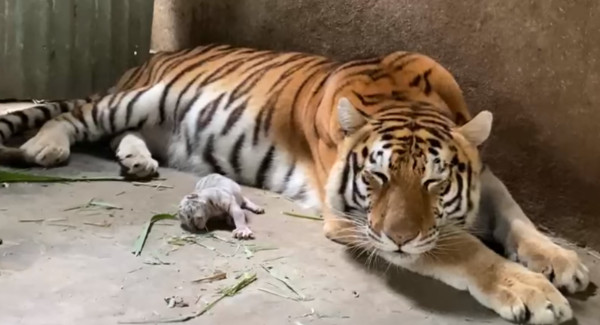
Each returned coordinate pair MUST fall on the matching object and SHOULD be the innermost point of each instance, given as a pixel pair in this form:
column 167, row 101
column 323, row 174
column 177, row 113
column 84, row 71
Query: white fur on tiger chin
column 216, row 196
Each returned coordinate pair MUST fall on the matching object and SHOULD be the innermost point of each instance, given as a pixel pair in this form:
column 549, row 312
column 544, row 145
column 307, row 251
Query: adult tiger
column 385, row 147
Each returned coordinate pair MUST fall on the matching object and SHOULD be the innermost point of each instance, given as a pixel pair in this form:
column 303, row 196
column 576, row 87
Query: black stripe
column 358, row 63
column 188, row 141
column 427, row 84
column 270, row 107
column 46, row 111
column 434, row 143
column 8, row 123
column 301, row 195
column 64, row 107
column 415, row 82
column 111, row 119
column 299, row 90
column 135, row 75
column 183, row 92
column 248, row 83
column 456, row 198
column 345, row 175
column 399, row 57
column 192, row 67
column 469, row 184
column 257, row 124
column 286, row 179
column 23, row 117
column 291, row 70
column 209, row 157
column 208, row 112
column 234, row 155
column 129, row 110
column 188, row 107
column 233, row 117
column 384, row 179
column 114, row 97
column 265, row 165
column 95, row 113
column 81, row 118
column 405, row 63
column 175, row 61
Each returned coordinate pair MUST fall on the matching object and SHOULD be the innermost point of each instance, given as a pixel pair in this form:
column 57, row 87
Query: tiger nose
column 402, row 238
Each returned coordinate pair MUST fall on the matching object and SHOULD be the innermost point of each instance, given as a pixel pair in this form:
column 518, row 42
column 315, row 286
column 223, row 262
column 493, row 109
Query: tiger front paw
column 340, row 231
column 49, row 147
column 137, row 163
column 525, row 297
column 561, row 266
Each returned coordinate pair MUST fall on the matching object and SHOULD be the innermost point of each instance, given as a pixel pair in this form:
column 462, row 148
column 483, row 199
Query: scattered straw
column 218, row 276
column 285, row 282
column 246, row 280
column 302, row 216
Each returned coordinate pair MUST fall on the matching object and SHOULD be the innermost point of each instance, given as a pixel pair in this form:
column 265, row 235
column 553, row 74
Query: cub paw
column 243, row 233
column 258, row 210
column 137, row 165
column 48, row 148
column 561, row 266
column 523, row 296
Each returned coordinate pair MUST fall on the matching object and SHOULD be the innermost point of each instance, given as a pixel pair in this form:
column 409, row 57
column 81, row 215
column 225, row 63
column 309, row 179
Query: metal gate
column 69, row 48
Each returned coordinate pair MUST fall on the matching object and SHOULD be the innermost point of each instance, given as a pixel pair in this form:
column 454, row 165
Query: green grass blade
column 20, row 177
column 302, row 216
column 141, row 240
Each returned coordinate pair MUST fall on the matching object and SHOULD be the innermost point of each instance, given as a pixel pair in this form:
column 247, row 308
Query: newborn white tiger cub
column 217, row 196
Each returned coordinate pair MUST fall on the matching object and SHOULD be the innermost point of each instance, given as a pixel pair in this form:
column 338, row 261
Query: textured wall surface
column 69, row 48
column 535, row 64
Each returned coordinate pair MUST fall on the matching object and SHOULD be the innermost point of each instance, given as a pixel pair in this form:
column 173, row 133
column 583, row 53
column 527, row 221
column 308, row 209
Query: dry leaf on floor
column 31, row 220
column 215, row 277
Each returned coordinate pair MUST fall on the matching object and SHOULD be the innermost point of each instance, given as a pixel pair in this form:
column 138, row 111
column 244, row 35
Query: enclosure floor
column 69, row 269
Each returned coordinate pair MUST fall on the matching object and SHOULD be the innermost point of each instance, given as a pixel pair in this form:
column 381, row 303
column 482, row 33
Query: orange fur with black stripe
column 384, row 147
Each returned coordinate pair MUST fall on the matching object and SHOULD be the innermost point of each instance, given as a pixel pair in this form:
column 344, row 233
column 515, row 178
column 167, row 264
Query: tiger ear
column 478, row 129
column 349, row 117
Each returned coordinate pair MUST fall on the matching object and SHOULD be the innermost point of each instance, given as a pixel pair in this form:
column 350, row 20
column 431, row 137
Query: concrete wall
column 535, row 64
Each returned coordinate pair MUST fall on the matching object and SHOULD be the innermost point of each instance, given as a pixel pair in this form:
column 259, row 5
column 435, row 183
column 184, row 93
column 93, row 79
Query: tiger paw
column 525, row 297
column 339, row 231
column 561, row 266
column 137, row 165
column 135, row 159
column 243, row 233
column 49, row 147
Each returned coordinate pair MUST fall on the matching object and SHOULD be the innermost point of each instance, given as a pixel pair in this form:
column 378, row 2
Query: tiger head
column 405, row 173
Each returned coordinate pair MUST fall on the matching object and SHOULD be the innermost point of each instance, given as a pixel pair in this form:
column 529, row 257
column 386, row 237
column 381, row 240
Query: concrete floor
column 69, row 270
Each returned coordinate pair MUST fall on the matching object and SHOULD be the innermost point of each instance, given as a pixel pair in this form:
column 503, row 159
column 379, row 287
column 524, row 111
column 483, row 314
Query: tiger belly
column 214, row 138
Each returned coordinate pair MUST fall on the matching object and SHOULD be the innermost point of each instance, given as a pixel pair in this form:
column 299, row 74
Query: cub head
column 405, row 173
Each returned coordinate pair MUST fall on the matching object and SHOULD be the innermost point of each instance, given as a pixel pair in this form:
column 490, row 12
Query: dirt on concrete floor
column 60, row 265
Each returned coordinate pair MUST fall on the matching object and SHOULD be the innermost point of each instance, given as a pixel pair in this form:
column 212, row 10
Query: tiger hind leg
column 251, row 206
column 134, row 156
column 90, row 122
